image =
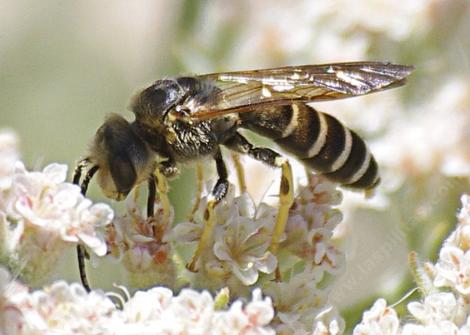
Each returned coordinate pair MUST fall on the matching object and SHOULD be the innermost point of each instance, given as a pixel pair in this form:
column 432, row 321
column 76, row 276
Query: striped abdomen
column 320, row 141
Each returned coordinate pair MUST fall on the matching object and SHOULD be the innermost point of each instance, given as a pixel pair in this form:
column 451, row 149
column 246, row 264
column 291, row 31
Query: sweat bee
column 190, row 117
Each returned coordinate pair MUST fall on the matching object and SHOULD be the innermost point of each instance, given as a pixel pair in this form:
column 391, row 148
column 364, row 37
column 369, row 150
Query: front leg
column 81, row 251
column 218, row 193
column 157, row 181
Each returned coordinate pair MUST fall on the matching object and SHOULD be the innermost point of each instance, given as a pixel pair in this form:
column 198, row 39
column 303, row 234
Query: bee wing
column 245, row 91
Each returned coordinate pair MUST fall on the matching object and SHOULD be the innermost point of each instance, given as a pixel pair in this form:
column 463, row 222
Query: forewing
column 247, row 90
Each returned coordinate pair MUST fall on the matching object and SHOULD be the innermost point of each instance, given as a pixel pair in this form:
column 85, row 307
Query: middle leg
column 218, row 193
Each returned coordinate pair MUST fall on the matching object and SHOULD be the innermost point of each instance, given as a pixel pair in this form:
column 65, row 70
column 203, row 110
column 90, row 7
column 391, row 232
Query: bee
column 187, row 118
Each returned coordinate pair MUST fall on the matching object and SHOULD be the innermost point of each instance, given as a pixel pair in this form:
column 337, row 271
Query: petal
column 57, row 173
column 267, row 264
column 97, row 245
column 247, row 276
column 221, row 251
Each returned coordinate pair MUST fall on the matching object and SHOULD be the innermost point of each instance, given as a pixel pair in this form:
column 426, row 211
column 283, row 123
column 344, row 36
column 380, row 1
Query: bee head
column 122, row 157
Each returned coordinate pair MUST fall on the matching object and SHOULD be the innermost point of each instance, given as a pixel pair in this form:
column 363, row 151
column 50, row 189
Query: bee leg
column 158, row 182
column 165, row 169
column 81, row 256
column 151, row 196
column 77, row 173
column 221, row 187
column 88, row 177
column 286, row 194
column 162, row 189
column 218, row 193
column 81, row 252
column 199, row 186
column 240, row 172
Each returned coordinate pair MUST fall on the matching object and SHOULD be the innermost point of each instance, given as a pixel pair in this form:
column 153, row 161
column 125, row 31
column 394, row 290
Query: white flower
column 140, row 245
column 460, row 237
column 68, row 309
column 195, row 310
column 243, row 243
column 435, row 308
column 453, row 269
column 63, row 308
column 441, row 328
column 11, row 317
column 254, row 318
column 241, row 238
column 299, row 301
column 147, row 305
column 380, row 319
column 41, row 215
column 146, row 311
column 42, row 200
column 328, row 322
column 312, row 221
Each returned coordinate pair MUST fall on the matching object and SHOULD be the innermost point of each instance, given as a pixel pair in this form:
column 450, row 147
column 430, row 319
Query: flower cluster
column 312, row 221
column 239, row 255
column 41, row 215
column 240, row 241
column 65, row 309
column 302, row 305
column 453, row 267
column 140, row 244
column 440, row 312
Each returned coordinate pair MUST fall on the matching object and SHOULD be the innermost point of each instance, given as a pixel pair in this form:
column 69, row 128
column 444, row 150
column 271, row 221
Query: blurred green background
column 65, row 65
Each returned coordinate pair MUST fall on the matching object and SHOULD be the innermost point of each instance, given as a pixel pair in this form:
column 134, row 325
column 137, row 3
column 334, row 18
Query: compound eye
column 123, row 173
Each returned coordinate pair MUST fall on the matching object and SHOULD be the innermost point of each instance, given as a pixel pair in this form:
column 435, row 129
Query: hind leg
column 286, row 195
